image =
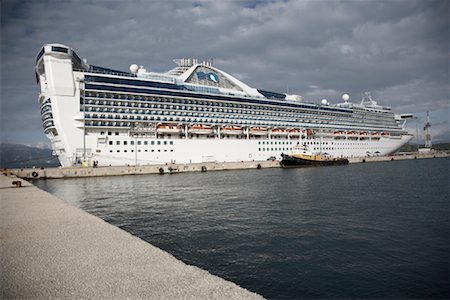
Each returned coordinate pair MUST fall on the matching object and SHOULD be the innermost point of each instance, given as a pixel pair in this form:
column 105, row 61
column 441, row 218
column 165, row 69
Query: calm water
column 376, row 230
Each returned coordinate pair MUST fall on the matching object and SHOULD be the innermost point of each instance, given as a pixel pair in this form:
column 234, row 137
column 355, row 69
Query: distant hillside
column 413, row 147
column 21, row 156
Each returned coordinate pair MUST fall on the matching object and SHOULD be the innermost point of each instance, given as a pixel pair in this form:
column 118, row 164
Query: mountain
column 21, row 156
column 413, row 147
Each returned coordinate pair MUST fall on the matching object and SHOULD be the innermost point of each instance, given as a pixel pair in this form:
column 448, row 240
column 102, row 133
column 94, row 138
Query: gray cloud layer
column 399, row 50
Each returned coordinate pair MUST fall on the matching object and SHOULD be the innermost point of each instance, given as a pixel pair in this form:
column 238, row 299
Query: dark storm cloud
column 397, row 49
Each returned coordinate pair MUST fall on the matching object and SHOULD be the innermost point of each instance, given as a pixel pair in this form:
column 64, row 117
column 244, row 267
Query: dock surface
column 50, row 249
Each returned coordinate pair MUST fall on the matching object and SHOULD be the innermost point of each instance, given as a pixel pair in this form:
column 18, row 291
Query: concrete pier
column 74, row 172
column 140, row 170
column 50, row 249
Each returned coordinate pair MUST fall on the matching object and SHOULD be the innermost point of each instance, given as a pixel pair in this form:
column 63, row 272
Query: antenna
column 426, row 128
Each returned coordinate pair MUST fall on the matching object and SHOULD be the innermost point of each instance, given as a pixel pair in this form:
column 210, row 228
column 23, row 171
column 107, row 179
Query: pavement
column 50, row 249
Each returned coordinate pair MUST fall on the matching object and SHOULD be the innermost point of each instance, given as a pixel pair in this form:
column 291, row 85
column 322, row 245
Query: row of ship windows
column 311, row 109
column 103, row 91
column 125, row 143
column 274, row 143
column 146, row 150
column 274, row 149
column 191, row 111
column 200, row 107
column 290, row 143
column 227, row 119
column 167, row 103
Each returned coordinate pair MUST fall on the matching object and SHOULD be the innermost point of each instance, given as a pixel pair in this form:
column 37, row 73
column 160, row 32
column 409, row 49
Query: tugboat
column 302, row 157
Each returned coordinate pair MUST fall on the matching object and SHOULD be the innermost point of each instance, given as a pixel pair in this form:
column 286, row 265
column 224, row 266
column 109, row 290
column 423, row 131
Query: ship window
column 132, row 150
column 102, row 133
column 152, row 142
column 117, row 133
column 139, row 142
column 153, row 150
column 60, row 49
column 171, row 150
column 110, row 150
column 124, row 142
column 165, row 142
column 159, row 142
column 165, row 150
column 109, row 132
column 117, row 142
column 131, row 142
column 124, row 150
column 110, row 142
column 118, row 150
column 171, row 142
column 145, row 142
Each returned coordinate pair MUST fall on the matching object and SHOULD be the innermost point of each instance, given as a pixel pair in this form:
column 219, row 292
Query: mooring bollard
column 17, row 183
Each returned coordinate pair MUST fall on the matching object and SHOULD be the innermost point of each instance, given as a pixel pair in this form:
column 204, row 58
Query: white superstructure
column 194, row 113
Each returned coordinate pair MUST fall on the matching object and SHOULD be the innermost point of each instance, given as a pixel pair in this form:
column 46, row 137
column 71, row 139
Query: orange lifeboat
column 200, row 129
column 168, row 129
column 258, row 131
column 295, row 132
column 278, row 131
column 231, row 130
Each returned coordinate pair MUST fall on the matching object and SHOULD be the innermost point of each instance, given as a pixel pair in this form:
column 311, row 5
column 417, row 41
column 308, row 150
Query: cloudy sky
column 398, row 50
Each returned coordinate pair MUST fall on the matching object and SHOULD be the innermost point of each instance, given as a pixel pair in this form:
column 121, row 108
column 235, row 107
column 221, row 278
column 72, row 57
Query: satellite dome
column 345, row 97
column 134, row 68
column 324, row 102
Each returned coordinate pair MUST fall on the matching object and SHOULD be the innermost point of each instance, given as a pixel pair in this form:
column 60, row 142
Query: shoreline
column 101, row 171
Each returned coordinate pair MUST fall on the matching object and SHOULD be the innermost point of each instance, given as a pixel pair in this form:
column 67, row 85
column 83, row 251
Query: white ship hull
column 89, row 122
column 212, row 150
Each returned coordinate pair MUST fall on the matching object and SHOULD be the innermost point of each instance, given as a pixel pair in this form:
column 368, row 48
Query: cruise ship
column 194, row 113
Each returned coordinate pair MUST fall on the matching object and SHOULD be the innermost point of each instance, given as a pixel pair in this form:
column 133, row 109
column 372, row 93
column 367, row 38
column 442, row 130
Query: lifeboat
column 295, row 132
column 168, row 129
column 231, row 130
column 258, row 131
column 385, row 133
column 337, row 132
column 200, row 129
column 277, row 131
